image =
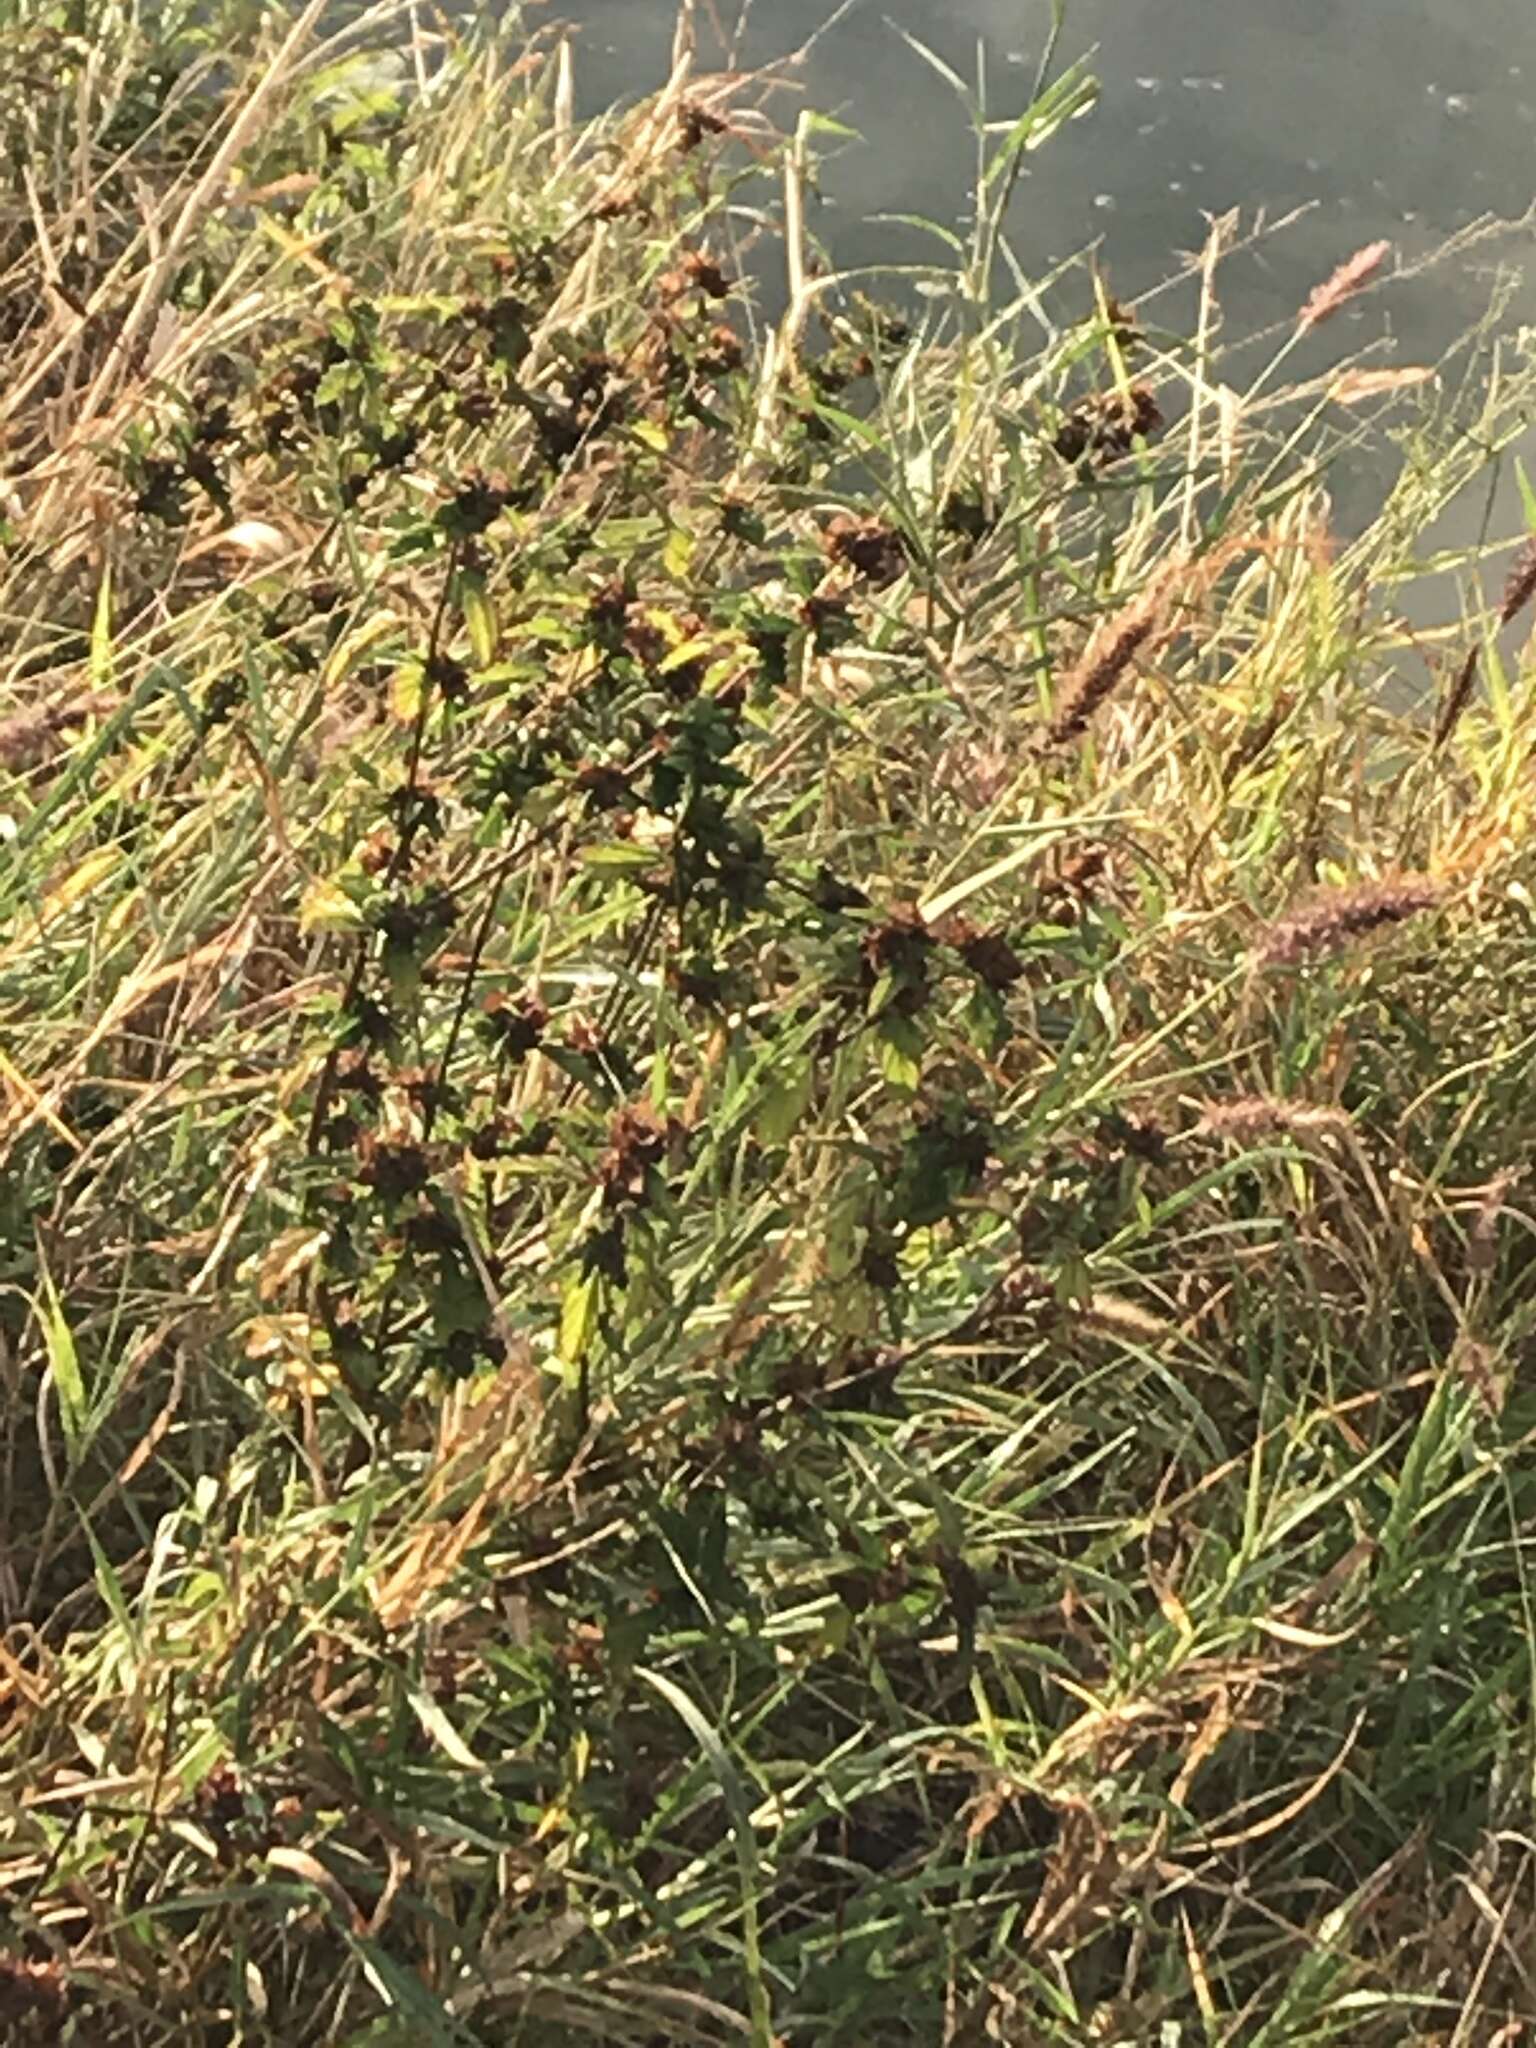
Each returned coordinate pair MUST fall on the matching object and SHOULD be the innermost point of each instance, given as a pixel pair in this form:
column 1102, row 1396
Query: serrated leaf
column 338, row 380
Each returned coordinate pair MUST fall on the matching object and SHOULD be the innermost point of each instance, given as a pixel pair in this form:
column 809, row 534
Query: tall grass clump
column 765, row 1270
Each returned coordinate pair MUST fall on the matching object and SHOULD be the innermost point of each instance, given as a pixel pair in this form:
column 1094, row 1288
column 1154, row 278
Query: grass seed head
column 1335, row 917
column 1521, row 586
column 1352, row 276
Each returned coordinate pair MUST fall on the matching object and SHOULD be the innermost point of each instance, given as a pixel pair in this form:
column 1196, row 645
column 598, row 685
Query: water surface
column 1403, row 119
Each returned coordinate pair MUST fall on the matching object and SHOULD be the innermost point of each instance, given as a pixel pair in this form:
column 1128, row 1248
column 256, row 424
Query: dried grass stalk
column 1354, row 387
column 1260, row 1116
column 1521, row 587
column 1483, row 1237
column 1351, row 276
column 1331, row 919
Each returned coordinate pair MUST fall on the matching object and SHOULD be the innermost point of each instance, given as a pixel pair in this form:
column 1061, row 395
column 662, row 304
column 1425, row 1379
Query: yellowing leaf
column 480, row 618
column 901, row 1052
column 345, row 653
column 277, row 1336
column 677, row 555
column 431, row 1558
column 101, row 634
column 80, row 882
column 405, row 693
column 326, row 907
column 63, row 1361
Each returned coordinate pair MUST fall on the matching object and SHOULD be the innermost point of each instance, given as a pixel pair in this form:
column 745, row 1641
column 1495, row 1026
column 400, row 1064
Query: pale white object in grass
column 255, row 539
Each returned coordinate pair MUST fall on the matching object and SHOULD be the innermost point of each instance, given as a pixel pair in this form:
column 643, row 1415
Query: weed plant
column 765, row 1270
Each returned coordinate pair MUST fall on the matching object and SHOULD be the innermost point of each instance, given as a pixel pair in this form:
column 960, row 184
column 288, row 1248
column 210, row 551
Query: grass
column 764, row 1091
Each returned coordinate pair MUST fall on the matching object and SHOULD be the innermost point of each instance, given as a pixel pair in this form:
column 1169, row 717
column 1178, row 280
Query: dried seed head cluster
column 988, row 954
column 867, row 546
column 1108, row 423
column 638, row 1142
column 32, row 1991
column 694, row 122
column 1335, row 917
column 900, row 945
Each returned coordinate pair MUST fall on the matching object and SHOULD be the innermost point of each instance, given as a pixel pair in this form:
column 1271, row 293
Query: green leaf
column 325, row 906
column 901, row 1051
column 1073, row 94
column 784, row 1104
column 338, row 380
column 63, row 1362
column 1527, row 494
column 480, row 618
column 619, row 856
column 579, row 1311
column 101, row 633
column 729, row 1780
column 936, row 62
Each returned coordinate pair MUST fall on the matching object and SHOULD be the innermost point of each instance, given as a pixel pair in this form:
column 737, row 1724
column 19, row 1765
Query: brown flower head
column 515, row 1024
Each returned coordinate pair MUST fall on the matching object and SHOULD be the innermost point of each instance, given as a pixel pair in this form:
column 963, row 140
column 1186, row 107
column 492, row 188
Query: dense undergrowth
column 763, row 1261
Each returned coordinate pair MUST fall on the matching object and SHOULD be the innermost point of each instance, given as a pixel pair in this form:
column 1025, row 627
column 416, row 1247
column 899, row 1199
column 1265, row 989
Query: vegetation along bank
column 765, row 1093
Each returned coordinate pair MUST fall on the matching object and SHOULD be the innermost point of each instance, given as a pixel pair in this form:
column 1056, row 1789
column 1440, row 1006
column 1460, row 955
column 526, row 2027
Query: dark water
column 1398, row 119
